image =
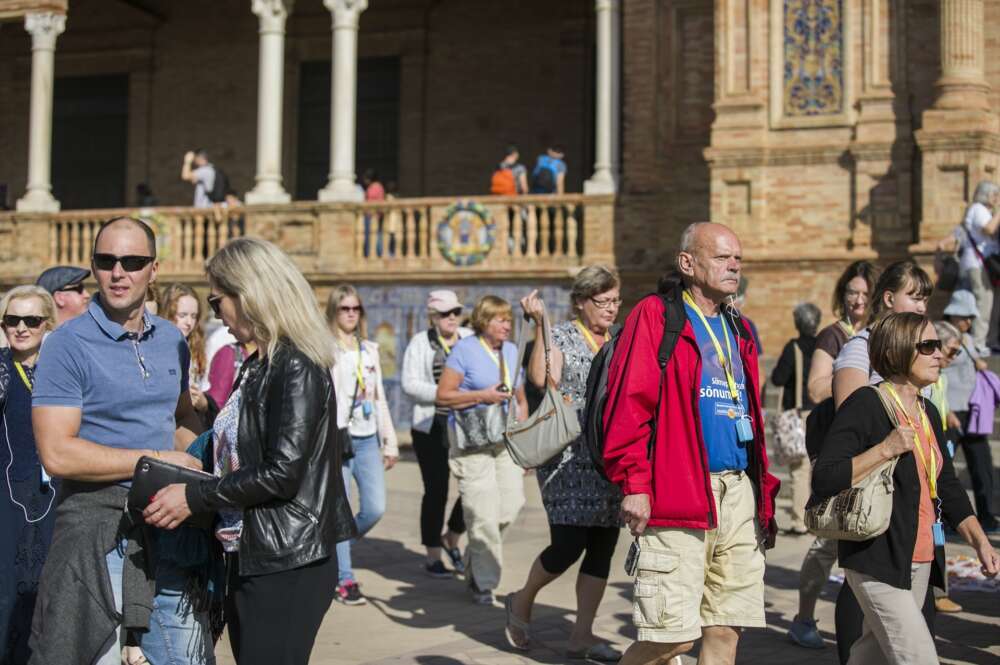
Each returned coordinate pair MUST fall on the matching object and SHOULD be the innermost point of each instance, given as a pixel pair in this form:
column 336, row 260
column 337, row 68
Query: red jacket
column 678, row 480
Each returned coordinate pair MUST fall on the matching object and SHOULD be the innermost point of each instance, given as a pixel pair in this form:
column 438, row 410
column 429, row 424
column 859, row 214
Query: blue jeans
column 177, row 636
column 367, row 470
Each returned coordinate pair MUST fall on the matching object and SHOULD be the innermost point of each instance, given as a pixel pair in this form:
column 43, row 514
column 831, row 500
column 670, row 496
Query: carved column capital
column 272, row 14
column 346, row 13
column 44, row 28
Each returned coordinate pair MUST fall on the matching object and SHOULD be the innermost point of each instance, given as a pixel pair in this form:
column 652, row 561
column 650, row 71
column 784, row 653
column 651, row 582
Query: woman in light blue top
column 480, row 372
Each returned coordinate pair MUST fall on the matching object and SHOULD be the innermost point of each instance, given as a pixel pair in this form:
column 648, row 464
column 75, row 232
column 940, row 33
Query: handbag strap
column 798, row 375
column 972, row 242
column 889, row 410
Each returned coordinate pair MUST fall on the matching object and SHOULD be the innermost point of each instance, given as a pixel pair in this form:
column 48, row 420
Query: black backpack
column 220, row 187
column 596, row 399
column 543, row 179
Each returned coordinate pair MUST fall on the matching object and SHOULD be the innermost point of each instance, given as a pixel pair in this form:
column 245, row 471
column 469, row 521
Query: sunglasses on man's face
column 74, row 288
column 13, row 321
column 130, row 262
column 927, row 347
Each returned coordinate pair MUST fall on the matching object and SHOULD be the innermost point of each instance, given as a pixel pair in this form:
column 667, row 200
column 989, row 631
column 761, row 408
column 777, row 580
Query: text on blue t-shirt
column 718, row 411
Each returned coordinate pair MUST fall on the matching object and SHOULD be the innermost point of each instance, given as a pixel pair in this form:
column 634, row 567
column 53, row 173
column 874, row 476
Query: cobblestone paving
column 412, row 619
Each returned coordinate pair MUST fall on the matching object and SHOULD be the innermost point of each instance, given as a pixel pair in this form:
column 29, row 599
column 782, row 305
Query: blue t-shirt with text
column 719, row 412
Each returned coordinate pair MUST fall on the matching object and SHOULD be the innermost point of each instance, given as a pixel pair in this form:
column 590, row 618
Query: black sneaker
column 457, row 563
column 349, row 593
column 438, row 571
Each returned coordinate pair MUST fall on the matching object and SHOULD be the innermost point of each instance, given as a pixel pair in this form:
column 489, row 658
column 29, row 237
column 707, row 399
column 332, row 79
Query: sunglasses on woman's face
column 350, row 308
column 13, row 321
column 927, row 347
column 215, row 302
column 452, row 312
column 954, row 353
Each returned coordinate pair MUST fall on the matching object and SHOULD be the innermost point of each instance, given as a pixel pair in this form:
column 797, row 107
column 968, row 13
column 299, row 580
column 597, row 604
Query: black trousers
column 979, row 459
column 273, row 619
column 569, row 542
column 432, row 457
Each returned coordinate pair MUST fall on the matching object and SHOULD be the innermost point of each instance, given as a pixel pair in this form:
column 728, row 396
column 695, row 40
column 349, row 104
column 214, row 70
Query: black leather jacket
column 289, row 484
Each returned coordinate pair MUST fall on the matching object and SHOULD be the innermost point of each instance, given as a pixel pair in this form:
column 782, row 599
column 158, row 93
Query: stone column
column 44, row 29
column 960, row 135
column 963, row 82
column 343, row 100
column 270, row 98
column 608, row 104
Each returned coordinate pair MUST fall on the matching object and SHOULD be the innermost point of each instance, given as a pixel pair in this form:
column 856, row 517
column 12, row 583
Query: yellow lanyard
column 848, row 328
column 725, row 360
column 23, row 374
column 588, row 337
column 932, row 471
column 444, row 345
column 497, row 358
column 357, row 368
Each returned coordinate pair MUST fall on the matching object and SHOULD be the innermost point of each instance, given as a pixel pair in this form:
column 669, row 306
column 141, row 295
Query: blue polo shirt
column 125, row 384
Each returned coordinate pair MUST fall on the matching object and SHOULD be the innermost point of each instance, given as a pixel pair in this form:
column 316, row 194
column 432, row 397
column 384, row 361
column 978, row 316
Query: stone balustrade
column 402, row 240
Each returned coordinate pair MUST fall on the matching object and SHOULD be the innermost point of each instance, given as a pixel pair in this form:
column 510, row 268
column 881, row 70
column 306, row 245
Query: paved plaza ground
column 413, row 619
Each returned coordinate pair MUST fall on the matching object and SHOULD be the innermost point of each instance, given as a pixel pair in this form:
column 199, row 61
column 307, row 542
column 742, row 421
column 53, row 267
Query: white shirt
column 976, row 217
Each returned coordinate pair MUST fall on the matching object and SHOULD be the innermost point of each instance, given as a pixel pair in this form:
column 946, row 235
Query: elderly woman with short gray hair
column 798, row 352
column 976, row 237
column 582, row 507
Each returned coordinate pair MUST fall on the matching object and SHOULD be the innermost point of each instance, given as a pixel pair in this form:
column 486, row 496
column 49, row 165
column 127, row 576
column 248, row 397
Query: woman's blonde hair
column 31, row 291
column 276, row 299
column 337, row 296
column 488, row 308
column 167, row 309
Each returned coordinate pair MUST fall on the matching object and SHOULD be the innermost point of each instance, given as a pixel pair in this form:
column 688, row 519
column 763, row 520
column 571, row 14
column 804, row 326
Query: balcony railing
column 408, row 239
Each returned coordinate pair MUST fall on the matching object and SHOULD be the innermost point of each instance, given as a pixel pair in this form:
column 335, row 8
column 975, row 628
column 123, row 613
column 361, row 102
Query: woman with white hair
column 277, row 486
column 423, row 364
column 27, row 498
column 976, row 237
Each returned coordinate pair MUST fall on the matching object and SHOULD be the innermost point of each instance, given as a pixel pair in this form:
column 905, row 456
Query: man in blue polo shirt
column 112, row 388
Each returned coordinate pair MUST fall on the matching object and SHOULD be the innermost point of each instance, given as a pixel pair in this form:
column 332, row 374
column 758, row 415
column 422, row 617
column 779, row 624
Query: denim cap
column 962, row 304
column 60, row 277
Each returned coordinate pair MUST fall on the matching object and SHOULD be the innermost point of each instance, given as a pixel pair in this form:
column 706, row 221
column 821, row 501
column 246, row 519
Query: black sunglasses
column 451, row 312
column 130, row 263
column 350, row 308
column 13, row 321
column 78, row 288
column 928, row 346
column 215, row 302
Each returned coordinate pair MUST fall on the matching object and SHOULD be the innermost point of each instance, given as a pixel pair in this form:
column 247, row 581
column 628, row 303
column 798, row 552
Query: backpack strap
column 674, row 318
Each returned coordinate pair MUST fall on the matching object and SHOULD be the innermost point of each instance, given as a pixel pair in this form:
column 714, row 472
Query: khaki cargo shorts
column 690, row 578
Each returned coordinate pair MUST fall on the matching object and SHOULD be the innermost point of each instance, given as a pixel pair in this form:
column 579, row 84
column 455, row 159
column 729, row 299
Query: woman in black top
column 277, row 486
column 889, row 574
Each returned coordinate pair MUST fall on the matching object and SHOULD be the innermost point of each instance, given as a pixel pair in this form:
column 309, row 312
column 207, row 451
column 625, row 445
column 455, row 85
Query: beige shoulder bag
column 861, row 512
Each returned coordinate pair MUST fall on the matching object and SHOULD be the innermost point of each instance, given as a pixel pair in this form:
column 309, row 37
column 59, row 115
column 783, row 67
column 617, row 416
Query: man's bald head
column 128, row 221
column 710, row 260
column 698, row 232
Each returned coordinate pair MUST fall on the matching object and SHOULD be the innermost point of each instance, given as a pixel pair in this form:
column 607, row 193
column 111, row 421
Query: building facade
column 821, row 130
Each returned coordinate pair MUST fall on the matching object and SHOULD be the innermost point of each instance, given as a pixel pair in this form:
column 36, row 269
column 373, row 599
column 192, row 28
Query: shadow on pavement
column 424, row 602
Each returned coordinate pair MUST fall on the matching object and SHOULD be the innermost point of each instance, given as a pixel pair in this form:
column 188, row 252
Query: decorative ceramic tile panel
column 396, row 313
column 813, row 49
